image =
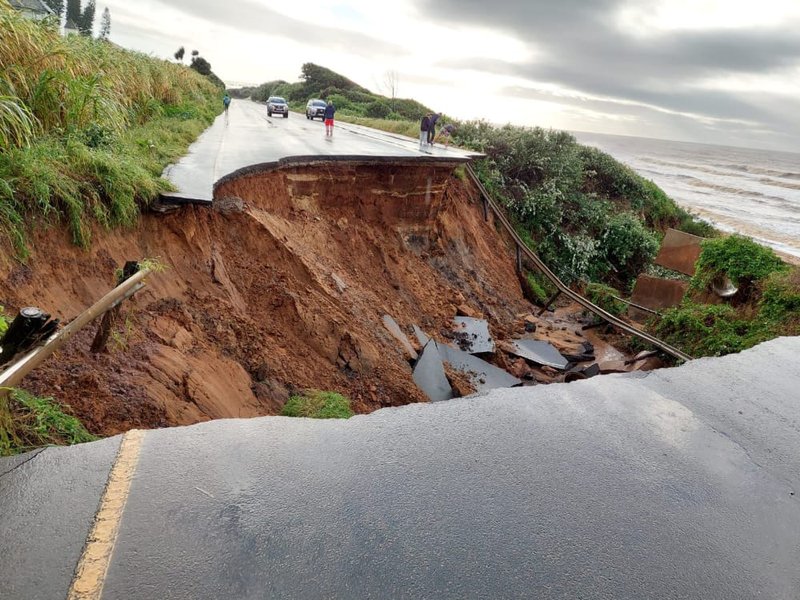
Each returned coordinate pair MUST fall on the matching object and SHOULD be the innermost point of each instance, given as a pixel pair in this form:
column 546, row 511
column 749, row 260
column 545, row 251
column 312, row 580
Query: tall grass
column 28, row 422
column 86, row 127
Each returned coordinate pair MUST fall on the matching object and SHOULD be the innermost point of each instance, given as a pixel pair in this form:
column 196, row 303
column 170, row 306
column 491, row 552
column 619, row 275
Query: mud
column 282, row 286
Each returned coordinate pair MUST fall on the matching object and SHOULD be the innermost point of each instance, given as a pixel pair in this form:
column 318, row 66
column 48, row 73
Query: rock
column 229, row 205
column 463, row 310
column 339, row 283
column 519, row 368
column 613, row 366
column 648, row 364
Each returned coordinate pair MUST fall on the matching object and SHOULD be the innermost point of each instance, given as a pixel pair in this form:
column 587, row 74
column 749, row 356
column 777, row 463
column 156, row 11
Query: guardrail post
column 547, row 304
column 485, row 209
column 16, row 371
column 519, row 259
column 110, row 317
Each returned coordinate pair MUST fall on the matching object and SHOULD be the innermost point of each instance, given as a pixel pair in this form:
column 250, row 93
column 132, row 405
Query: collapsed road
column 681, row 483
column 676, row 483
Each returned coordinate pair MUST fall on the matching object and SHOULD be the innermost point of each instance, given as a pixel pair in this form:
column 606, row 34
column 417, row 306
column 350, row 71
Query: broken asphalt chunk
column 392, row 327
column 429, row 374
column 422, row 337
column 484, row 376
column 542, row 353
column 472, row 335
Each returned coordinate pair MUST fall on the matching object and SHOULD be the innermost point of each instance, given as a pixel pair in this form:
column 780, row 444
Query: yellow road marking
column 90, row 574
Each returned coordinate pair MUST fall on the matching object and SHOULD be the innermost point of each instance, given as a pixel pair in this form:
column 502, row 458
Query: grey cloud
column 246, row 15
column 578, row 45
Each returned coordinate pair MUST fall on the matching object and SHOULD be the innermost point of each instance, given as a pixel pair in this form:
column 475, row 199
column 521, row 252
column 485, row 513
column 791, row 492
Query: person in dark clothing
column 329, row 111
column 446, row 133
column 424, row 127
column 432, row 128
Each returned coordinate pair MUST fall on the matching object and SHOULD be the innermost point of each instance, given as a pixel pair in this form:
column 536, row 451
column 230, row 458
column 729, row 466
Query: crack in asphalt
column 27, row 460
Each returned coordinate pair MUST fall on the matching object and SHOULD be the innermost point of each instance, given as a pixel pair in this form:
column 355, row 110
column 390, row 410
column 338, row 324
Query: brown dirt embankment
column 281, row 285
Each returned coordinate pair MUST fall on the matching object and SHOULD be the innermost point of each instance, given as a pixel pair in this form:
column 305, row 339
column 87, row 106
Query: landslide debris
column 282, row 288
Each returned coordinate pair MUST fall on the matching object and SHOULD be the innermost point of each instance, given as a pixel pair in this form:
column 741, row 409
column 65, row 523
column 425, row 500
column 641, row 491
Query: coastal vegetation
column 87, row 127
column 766, row 306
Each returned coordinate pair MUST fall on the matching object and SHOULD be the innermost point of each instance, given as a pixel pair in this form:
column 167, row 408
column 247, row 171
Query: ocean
column 753, row 192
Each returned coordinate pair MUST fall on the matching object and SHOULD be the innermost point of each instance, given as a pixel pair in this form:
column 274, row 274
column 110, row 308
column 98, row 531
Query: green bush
column 317, row 404
column 739, row 258
column 705, row 329
column 377, row 110
column 71, row 112
column 780, row 300
column 628, row 246
column 604, row 296
column 339, row 101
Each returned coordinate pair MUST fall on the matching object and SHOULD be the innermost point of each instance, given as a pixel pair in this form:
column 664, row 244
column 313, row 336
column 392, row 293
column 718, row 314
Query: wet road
column 682, row 483
column 247, row 136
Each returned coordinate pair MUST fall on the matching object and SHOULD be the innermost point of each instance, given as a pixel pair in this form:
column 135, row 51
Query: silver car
column 315, row 108
column 277, row 105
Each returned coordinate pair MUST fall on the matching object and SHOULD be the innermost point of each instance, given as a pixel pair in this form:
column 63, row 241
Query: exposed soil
column 281, row 286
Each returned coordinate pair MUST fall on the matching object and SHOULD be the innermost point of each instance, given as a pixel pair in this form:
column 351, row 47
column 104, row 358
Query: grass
column 401, row 127
column 87, row 128
column 317, row 404
column 767, row 304
column 28, row 422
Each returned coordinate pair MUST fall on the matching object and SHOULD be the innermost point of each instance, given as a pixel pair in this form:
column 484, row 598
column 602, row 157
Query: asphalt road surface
column 679, row 483
column 247, row 136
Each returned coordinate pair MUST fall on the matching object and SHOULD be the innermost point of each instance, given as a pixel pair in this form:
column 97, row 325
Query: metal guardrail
column 562, row 287
column 14, row 373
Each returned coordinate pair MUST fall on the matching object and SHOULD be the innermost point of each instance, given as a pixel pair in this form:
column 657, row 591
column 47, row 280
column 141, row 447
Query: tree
column 86, row 23
column 74, row 11
column 180, row 53
column 200, row 64
column 105, row 25
column 391, row 82
column 57, row 6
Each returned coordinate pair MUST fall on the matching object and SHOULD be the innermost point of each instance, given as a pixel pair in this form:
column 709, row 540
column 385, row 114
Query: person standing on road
column 330, row 109
column 424, row 126
column 432, row 128
column 226, row 101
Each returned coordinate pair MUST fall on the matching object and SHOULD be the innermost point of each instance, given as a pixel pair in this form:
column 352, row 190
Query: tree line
column 82, row 16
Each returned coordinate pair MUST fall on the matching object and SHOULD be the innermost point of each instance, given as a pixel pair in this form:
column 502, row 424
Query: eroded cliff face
column 281, row 285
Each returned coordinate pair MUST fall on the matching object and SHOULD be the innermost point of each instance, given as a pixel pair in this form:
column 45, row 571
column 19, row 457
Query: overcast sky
column 724, row 72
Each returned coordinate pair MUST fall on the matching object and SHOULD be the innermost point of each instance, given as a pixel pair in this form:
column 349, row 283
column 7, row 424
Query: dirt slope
column 281, row 285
